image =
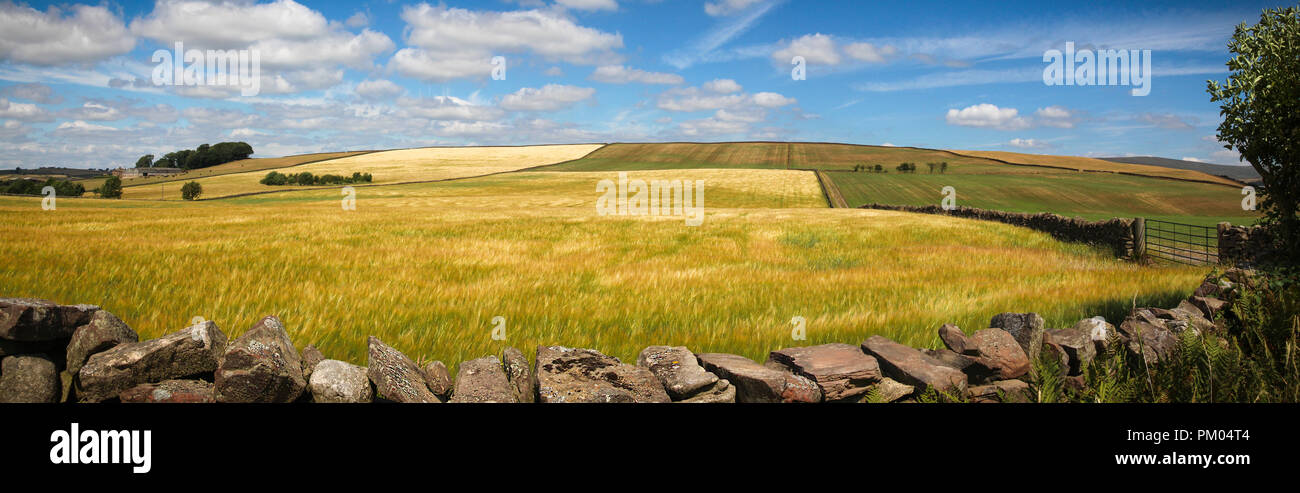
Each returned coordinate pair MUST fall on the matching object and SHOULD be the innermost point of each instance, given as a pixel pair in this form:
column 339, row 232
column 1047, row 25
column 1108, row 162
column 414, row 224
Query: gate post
column 1139, row 237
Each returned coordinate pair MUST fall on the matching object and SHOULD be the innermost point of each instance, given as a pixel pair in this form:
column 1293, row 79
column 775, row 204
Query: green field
column 1072, row 186
column 1087, row 195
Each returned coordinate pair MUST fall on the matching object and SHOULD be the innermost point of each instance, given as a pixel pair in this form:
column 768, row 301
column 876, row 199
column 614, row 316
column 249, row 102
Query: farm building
column 143, row 172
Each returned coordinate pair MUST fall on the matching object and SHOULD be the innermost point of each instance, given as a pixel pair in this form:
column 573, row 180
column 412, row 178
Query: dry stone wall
column 81, row 353
column 1244, row 246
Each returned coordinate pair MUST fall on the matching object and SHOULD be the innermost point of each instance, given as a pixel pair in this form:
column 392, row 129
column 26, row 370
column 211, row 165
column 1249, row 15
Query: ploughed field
column 427, row 266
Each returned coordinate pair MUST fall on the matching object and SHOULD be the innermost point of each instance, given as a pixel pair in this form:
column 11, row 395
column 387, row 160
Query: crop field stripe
column 1115, row 172
column 265, row 192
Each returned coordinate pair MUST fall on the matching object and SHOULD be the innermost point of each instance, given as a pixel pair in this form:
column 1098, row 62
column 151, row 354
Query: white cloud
column 449, row 108
column 1192, row 159
column 719, row 8
column 245, row 133
column 711, row 126
column 22, row 111
column 78, row 126
column 715, row 95
column 751, row 115
column 771, row 100
column 986, row 115
column 378, row 89
column 83, row 34
column 229, row 25
column 299, row 48
column 449, row 43
column 588, row 4
column 1028, row 143
column 96, row 111
column 619, row 74
column 868, row 52
column 421, row 64
column 32, row 91
column 1055, row 116
column 550, row 97
column 814, row 48
column 692, row 99
column 722, row 86
column 359, row 19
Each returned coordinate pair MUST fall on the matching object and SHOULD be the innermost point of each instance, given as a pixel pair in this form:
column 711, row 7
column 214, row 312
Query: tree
column 112, row 188
column 191, row 190
column 275, row 178
column 145, row 161
column 943, row 167
column 1260, row 105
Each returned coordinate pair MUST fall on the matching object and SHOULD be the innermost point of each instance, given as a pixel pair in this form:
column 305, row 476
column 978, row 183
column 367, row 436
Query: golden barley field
column 388, row 167
column 427, row 266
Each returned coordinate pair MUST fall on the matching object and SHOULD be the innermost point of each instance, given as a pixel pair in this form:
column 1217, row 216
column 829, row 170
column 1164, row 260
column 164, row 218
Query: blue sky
column 76, row 84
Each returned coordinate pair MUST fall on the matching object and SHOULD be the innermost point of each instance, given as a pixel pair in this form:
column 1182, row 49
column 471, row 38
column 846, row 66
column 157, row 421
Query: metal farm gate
column 1178, row 242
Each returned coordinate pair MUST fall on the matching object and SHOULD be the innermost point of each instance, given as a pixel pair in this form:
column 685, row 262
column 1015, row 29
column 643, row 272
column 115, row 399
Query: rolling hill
column 1244, row 173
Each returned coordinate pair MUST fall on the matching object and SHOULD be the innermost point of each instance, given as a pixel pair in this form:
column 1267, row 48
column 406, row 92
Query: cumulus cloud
column 32, row 91
column 378, row 89
column 1028, row 143
column 619, row 74
column 1055, row 116
column 772, row 100
column 715, row 95
column 82, row 34
column 722, row 86
column 359, row 19
column 550, row 97
column 868, row 52
column 450, row 43
column 734, row 112
column 711, row 126
column 23, row 111
column 814, row 48
column 449, row 108
column 986, row 115
column 199, row 23
column 81, row 127
column 298, row 46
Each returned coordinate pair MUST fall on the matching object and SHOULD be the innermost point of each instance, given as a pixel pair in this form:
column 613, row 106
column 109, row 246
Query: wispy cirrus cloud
column 708, row 47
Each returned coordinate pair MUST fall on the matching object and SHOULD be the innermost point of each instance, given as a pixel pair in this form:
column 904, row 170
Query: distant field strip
column 1068, row 194
column 388, row 167
column 762, row 155
column 525, row 191
column 1090, row 164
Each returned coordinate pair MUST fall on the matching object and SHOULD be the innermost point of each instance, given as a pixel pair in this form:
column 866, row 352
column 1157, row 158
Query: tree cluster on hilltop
column 201, row 157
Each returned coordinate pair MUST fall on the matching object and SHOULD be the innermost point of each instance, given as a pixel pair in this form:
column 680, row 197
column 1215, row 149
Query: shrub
column 191, row 190
column 112, row 188
column 276, row 178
